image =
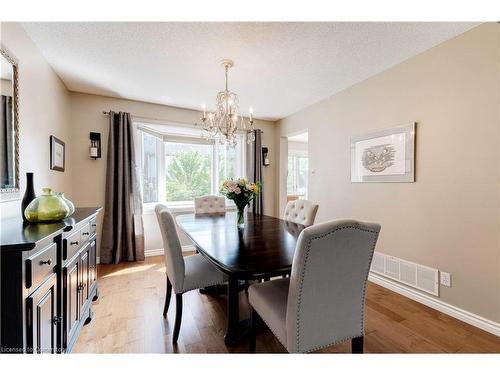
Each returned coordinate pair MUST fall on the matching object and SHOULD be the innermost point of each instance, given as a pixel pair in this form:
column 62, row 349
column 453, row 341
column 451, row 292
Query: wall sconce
column 265, row 157
column 95, row 145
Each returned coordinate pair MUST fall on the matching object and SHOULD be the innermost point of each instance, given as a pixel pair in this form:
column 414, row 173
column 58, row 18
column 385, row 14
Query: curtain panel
column 123, row 231
column 254, row 170
column 7, row 141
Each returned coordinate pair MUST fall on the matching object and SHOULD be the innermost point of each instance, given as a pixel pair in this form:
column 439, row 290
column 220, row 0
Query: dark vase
column 29, row 195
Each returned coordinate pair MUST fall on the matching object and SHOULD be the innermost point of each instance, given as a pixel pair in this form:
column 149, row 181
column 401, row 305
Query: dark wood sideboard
column 48, row 282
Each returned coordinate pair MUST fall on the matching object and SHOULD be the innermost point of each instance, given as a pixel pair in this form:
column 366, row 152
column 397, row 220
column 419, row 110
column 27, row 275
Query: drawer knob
column 85, row 233
column 48, row 261
column 73, row 243
column 56, row 319
column 94, row 225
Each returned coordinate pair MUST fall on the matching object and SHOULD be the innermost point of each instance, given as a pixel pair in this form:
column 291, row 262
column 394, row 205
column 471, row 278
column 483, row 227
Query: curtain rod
column 163, row 120
column 155, row 119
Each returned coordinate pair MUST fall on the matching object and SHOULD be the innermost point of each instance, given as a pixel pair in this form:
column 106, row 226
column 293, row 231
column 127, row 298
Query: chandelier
column 224, row 123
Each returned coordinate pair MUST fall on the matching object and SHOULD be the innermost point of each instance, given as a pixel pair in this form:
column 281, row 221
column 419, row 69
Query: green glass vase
column 48, row 207
column 70, row 204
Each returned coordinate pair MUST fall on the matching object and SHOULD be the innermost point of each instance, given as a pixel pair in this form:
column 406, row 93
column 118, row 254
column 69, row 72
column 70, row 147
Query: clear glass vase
column 70, row 204
column 46, row 208
column 241, row 216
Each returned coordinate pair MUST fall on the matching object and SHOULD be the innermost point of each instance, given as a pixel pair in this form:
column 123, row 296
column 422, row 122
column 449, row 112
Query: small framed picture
column 57, row 154
column 384, row 156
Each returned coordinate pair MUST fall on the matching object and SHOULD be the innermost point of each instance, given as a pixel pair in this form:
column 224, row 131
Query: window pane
column 227, row 164
column 301, row 175
column 149, row 168
column 296, row 182
column 290, row 184
column 188, row 170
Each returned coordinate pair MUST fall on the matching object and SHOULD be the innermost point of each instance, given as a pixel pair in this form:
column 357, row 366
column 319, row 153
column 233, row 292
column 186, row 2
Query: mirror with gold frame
column 9, row 126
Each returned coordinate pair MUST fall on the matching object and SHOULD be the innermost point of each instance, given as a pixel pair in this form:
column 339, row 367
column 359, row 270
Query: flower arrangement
column 241, row 192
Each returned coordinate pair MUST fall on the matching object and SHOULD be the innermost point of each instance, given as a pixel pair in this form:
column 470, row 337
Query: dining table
column 262, row 248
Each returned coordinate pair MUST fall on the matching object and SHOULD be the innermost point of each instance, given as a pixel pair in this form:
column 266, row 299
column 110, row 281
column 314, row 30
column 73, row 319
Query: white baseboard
column 434, row 303
column 153, row 252
column 156, row 252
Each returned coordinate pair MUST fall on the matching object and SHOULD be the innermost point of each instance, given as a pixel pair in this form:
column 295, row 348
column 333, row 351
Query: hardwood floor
column 128, row 319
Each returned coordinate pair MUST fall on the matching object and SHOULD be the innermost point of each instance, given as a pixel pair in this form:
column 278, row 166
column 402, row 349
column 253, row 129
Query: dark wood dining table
column 263, row 248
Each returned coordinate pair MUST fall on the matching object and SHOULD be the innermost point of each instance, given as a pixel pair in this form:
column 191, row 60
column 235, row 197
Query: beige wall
column 89, row 176
column 44, row 111
column 448, row 218
column 498, row 107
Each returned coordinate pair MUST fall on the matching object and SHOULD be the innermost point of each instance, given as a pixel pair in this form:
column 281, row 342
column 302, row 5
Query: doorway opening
column 297, row 167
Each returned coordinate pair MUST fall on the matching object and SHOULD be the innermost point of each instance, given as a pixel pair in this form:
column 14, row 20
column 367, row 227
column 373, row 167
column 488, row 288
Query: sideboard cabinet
column 48, row 282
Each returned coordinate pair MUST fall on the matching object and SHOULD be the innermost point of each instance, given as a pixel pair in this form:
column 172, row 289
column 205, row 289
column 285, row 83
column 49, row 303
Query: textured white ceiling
column 280, row 68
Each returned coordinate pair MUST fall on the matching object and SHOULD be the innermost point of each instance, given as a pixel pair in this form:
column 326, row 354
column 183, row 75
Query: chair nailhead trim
column 301, row 285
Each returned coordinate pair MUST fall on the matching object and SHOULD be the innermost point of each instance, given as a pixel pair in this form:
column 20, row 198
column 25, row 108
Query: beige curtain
column 122, row 232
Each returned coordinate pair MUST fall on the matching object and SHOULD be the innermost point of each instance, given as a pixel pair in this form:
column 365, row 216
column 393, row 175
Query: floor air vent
column 378, row 263
column 409, row 273
column 427, row 279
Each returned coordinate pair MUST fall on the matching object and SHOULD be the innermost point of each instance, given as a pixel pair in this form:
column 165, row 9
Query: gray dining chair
column 183, row 273
column 209, row 204
column 301, row 211
column 322, row 303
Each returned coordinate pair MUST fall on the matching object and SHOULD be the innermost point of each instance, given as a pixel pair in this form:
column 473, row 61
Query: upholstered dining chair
column 301, row 211
column 209, row 204
column 183, row 274
column 322, row 303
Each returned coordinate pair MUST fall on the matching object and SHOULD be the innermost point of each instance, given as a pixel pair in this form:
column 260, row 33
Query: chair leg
column 357, row 345
column 253, row 331
column 178, row 317
column 167, row 297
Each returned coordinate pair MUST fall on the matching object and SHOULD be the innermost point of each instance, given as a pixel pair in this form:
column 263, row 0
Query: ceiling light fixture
column 224, row 123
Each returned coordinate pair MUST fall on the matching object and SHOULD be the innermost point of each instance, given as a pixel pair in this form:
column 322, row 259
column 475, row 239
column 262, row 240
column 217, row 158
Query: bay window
column 178, row 164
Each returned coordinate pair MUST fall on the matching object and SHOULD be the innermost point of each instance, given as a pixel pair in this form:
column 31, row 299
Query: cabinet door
column 84, row 276
column 42, row 318
column 92, row 263
column 71, row 299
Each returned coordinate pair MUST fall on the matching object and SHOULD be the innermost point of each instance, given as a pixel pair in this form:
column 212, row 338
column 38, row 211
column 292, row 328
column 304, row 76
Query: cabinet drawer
column 40, row 265
column 93, row 225
column 85, row 233
column 71, row 245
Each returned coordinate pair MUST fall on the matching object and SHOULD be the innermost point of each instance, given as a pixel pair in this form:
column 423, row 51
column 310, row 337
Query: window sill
column 183, row 208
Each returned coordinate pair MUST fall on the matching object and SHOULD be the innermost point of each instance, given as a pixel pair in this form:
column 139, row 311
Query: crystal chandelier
column 225, row 122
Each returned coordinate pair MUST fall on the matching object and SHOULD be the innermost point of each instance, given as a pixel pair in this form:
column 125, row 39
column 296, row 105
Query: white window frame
column 184, row 206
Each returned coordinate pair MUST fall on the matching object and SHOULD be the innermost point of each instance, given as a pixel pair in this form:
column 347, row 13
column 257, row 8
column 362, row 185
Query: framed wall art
column 57, row 154
column 384, row 156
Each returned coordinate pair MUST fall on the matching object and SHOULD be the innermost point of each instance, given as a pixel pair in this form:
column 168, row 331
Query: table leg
column 233, row 312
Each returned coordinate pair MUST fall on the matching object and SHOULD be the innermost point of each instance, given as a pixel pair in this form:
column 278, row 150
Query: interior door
column 42, row 318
